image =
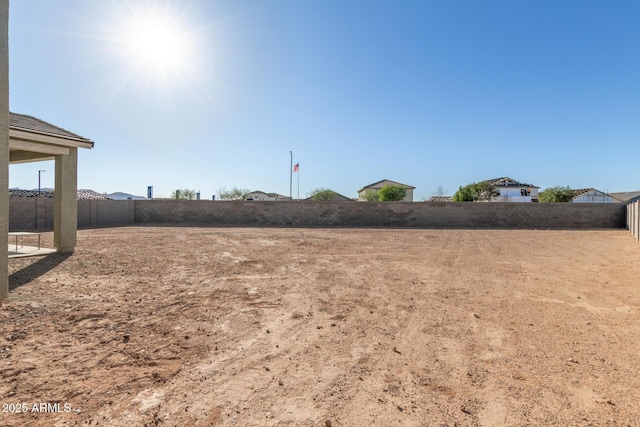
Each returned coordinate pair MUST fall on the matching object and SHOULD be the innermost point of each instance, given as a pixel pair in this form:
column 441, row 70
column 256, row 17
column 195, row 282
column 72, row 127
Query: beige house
column 376, row 186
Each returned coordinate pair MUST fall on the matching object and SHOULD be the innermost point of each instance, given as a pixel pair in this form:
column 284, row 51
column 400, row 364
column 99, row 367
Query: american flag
column 296, row 167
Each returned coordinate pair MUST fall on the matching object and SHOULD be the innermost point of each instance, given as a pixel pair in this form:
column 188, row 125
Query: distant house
column 440, row 199
column 591, row 195
column 513, row 191
column 124, row 196
column 332, row 196
column 261, row 196
column 376, row 186
column 627, row 196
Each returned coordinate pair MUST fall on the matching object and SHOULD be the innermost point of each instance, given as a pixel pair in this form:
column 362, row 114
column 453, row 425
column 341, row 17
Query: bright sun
column 157, row 44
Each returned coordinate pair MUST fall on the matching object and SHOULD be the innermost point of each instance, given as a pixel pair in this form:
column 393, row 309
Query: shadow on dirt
column 35, row 270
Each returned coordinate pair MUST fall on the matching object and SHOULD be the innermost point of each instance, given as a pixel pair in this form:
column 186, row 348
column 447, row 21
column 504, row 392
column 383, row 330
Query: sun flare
column 157, row 44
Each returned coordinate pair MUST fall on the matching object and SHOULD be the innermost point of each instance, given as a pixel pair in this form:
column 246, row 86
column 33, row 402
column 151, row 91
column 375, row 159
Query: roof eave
column 49, row 138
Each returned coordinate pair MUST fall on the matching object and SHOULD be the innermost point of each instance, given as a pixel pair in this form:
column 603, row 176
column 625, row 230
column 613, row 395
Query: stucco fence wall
column 633, row 219
column 37, row 214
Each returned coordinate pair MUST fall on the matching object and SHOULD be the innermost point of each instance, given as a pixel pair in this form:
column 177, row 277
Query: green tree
column 486, row 191
column 556, row 194
column 234, row 193
column 474, row 192
column 392, row 193
column 371, row 196
column 464, row 194
column 184, row 194
column 322, row 194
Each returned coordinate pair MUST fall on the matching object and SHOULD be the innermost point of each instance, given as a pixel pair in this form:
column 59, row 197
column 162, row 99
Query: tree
column 392, row 193
column 234, row 193
column 184, row 194
column 556, row 194
column 486, row 191
column 440, row 192
column 474, row 192
column 464, row 194
column 322, row 194
column 371, row 196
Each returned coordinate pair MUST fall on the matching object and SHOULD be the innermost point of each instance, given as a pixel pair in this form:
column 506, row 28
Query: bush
column 556, row 194
column 392, row 193
column 474, row 192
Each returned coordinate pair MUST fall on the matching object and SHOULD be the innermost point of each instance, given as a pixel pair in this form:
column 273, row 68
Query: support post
column 4, row 149
column 65, row 206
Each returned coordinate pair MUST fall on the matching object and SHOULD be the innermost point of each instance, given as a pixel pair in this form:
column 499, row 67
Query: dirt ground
column 324, row 327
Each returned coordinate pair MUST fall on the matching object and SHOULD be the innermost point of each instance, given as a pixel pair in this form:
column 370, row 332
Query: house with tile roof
column 376, row 186
column 513, row 191
column 48, row 193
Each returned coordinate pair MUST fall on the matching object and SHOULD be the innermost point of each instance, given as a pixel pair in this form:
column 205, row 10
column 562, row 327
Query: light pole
column 291, row 177
column 39, row 173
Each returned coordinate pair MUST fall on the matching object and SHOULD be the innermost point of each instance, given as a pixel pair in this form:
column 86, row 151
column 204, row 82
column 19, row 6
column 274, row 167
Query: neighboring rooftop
column 329, row 196
column 379, row 184
column 505, row 181
column 48, row 193
column 35, row 125
column 626, row 196
column 441, row 199
column 124, row 196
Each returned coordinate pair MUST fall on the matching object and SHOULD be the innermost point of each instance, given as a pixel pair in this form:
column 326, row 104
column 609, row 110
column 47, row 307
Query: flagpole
column 298, row 164
column 291, row 177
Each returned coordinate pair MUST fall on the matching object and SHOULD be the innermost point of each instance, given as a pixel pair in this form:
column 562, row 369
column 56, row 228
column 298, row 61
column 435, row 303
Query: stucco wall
column 633, row 219
column 109, row 213
column 4, row 147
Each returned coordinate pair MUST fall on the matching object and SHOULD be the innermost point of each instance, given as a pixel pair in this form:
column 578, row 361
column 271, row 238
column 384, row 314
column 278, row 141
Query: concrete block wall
column 30, row 214
column 105, row 213
column 399, row 214
column 25, row 216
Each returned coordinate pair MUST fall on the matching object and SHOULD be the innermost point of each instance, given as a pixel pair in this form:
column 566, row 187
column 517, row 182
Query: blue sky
column 427, row 93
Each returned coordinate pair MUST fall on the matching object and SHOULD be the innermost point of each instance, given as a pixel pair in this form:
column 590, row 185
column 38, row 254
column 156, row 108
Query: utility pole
column 39, row 172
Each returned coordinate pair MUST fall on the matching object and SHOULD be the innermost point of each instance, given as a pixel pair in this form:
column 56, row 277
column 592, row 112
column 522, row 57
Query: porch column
column 4, row 149
column 65, row 205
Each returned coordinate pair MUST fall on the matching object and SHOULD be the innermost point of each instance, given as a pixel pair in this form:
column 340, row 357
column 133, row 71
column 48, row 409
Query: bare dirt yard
column 324, row 327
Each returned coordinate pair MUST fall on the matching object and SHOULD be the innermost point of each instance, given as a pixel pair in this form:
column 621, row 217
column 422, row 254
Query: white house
column 591, row 195
column 513, row 191
column 262, row 197
column 376, row 186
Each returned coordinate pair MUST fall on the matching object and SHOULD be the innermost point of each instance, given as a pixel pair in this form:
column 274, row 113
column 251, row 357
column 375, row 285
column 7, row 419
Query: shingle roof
column 33, row 124
column 505, row 181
